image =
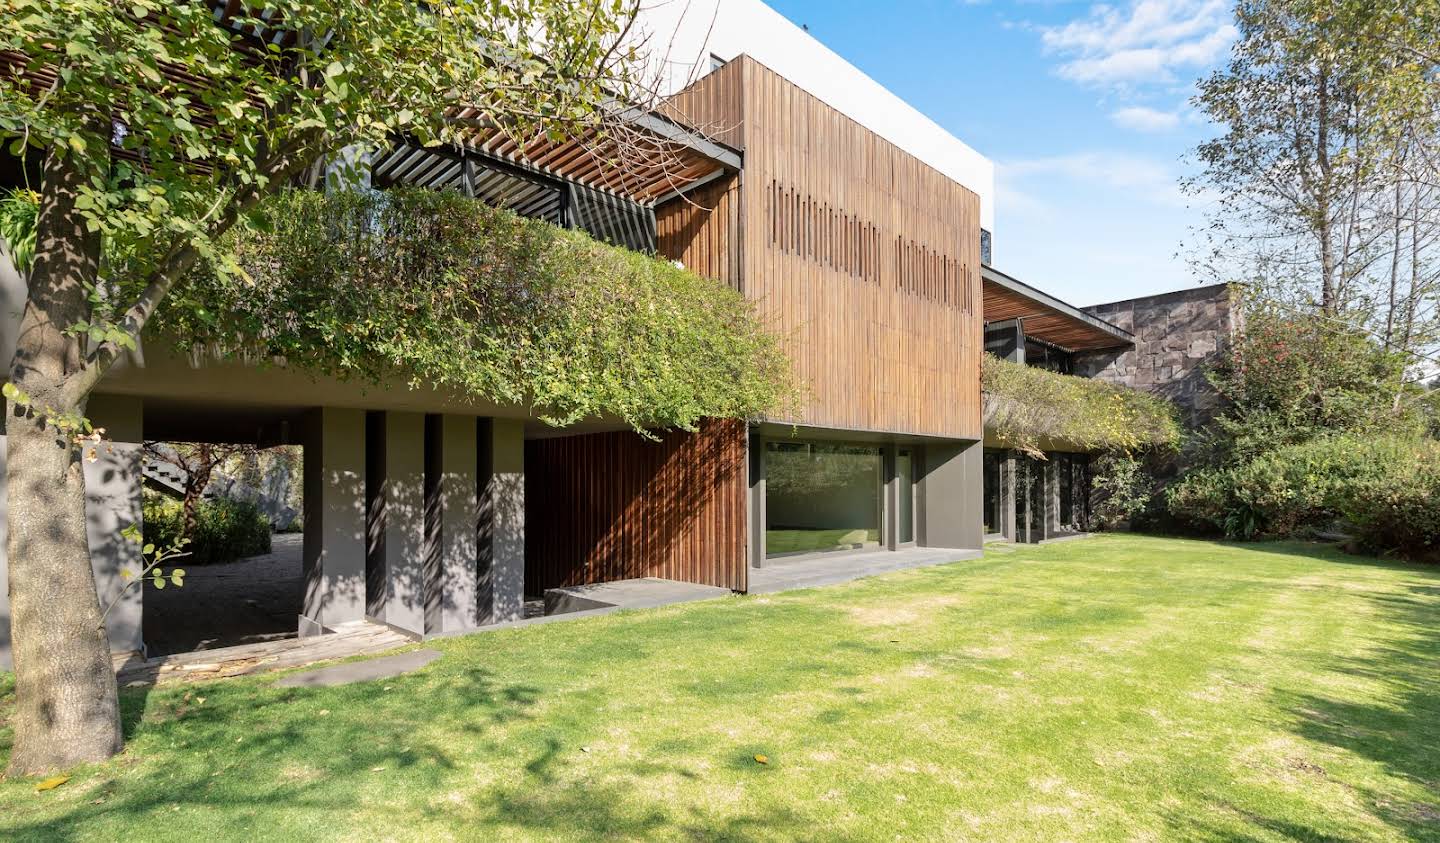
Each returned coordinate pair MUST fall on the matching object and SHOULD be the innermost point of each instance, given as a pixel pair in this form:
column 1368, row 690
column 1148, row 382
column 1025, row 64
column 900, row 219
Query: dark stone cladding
column 1176, row 335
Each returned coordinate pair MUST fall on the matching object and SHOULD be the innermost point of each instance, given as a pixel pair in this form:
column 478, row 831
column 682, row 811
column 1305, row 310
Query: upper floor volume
column 688, row 40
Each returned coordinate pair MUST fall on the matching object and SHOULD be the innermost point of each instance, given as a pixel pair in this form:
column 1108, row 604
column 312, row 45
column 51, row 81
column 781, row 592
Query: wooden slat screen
column 611, row 506
column 698, row 230
column 864, row 257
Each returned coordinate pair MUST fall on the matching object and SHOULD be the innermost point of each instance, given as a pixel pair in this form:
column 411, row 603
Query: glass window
column 821, row 496
column 1043, row 355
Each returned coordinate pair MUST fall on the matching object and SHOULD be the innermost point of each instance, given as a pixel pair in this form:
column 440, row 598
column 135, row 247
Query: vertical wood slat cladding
column 611, row 506
column 697, row 230
column 893, row 348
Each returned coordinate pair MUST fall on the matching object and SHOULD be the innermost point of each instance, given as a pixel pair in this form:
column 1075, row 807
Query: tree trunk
column 67, row 711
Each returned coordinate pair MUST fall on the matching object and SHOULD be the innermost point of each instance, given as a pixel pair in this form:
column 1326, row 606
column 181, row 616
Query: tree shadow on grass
column 1401, row 731
column 252, row 753
column 1398, row 729
column 216, row 770
column 604, row 805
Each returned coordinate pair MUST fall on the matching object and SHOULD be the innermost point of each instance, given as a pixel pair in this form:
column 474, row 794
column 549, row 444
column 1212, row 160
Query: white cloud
column 1136, row 177
column 1142, row 119
column 1150, row 41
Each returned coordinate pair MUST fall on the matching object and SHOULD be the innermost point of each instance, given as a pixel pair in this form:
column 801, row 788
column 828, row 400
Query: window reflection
column 821, row 496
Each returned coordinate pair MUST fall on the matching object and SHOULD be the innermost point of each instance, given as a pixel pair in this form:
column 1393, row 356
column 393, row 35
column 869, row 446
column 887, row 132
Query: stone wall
column 1176, row 334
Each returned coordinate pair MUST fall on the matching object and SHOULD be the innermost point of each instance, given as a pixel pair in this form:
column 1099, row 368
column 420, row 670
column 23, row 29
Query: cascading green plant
column 1026, row 408
column 449, row 292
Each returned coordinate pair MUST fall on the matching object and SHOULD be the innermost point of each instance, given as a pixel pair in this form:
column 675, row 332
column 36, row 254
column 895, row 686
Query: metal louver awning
column 524, row 190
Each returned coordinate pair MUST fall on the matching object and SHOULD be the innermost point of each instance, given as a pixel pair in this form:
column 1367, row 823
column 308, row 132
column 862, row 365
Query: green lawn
column 1113, row 688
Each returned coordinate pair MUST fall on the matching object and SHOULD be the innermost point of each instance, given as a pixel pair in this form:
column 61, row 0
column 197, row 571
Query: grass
column 1113, row 688
column 801, row 541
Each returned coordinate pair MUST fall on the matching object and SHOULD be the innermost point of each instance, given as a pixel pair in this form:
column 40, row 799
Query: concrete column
column 334, row 441
column 1052, row 496
column 952, row 492
column 502, row 519
column 395, row 512
column 756, row 499
column 452, row 575
column 112, row 503
column 1009, row 505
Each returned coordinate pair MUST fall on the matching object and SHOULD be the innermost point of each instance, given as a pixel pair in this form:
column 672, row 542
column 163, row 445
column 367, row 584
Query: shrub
column 1026, row 407
column 1122, row 489
column 1381, row 490
column 455, row 294
column 1287, row 380
column 225, row 529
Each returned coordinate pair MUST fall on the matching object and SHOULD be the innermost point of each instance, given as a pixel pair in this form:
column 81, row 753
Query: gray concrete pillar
column 452, row 576
column 502, row 519
column 395, row 519
column 334, row 441
column 952, row 492
column 755, row 499
column 1009, row 486
column 1052, row 496
column 112, row 503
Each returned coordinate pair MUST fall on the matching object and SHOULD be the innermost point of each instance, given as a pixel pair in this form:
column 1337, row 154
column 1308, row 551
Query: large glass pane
column 1066, row 490
column 992, row 491
column 905, row 508
column 821, row 496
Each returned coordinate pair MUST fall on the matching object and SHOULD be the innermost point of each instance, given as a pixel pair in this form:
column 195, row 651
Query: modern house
column 861, row 231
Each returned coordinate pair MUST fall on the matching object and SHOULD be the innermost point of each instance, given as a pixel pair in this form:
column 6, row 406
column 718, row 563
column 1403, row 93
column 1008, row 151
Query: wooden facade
column 865, row 258
column 612, row 506
column 700, row 228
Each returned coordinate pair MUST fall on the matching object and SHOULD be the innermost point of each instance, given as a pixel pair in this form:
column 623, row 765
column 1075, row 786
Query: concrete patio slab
column 640, row 593
column 786, row 573
column 366, row 671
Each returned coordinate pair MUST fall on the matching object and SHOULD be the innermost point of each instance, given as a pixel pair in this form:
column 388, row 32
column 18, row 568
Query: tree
column 198, row 462
column 160, row 129
column 1324, row 174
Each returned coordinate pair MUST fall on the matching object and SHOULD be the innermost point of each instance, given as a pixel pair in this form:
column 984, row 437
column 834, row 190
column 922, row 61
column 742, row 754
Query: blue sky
column 1082, row 106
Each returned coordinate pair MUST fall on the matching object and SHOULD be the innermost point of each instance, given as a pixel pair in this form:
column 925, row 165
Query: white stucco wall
column 681, row 35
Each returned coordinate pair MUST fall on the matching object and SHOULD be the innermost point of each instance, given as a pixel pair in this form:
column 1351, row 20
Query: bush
column 1122, row 489
column 1381, row 490
column 225, row 529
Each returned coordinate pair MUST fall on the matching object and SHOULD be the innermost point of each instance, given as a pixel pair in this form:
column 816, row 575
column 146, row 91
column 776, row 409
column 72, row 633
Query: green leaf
column 148, row 549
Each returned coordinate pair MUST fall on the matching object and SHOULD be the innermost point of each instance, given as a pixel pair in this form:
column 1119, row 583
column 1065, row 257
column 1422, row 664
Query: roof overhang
column 1046, row 317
